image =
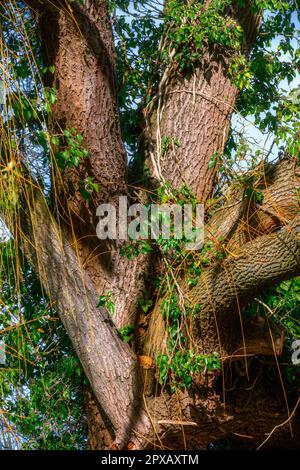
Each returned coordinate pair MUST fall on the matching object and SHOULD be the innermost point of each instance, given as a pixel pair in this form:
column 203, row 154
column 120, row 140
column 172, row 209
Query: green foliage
column 88, row 187
column 72, row 152
column 284, row 301
column 167, row 143
column 182, row 367
column 254, row 195
column 179, row 366
column 174, row 314
column 165, row 194
column 145, row 304
column 240, row 73
column 50, row 98
column 273, row 64
column 126, row 333
column 192, row 28
column 41, row 381
column 133, row 249
column 105, row 300
column 249, row 182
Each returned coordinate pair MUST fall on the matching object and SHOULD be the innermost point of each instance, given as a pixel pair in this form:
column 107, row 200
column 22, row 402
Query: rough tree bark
column 195, row 111
column 72, row 264
column 80, row 45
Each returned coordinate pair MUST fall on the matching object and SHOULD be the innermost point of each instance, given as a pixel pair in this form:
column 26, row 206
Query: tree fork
column 109, row 364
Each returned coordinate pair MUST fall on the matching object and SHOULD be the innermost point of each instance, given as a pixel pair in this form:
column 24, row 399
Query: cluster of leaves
column 88, row 187
column 211, row 252
column 41, row 380
column 274, row 64
column 174, row 315
column 73, row 152
column 126, row 333
column 181, row 363
column 252, row 182
column 145, row 304
column 69, row 152
column 166, row 193
column 106, row 300
column 183, row 366
column 164, row 197
column 135, row 248
column 192, row 27
column 284, row 302
column 173, row 247
column 137, row 27
column 167, row 143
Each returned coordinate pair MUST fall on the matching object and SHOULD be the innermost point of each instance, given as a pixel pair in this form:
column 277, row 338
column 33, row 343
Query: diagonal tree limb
column 108, row 362
column 265, row 261
column 223, row 287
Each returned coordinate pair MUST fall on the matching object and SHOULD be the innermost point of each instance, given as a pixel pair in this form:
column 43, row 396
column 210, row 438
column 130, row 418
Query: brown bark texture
column 126, row 406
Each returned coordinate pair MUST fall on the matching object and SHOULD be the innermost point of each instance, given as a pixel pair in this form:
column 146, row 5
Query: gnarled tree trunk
column 74, row 267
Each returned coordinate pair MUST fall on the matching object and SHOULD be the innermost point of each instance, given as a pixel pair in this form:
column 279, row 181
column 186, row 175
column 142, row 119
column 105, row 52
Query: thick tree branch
column 194, row 112
column 80, row 46
column 77, row 39
column 240, row 219
column 264, row 261
column 223, row 288
column 108, row 362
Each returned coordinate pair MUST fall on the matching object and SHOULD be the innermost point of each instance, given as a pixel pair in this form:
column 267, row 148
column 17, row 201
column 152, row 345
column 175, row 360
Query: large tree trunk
column 81, row 47
column 194, row 111
column 74, row 267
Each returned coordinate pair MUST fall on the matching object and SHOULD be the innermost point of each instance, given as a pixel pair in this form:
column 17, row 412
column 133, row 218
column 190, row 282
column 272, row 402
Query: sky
column 247, row 126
